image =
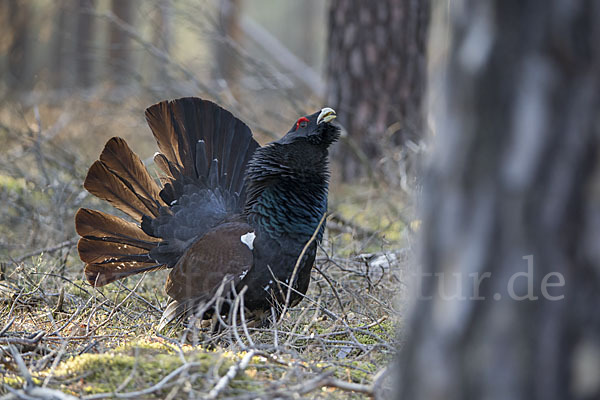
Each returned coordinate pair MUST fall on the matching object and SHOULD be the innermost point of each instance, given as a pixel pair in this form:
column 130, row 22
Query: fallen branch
column 36, row 393
column 32, row 341
column 233, row 371
column 329, row 381
column 30, row 391
column 340, row 224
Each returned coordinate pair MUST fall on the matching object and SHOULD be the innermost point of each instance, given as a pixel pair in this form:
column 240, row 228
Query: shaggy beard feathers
column 287, row 189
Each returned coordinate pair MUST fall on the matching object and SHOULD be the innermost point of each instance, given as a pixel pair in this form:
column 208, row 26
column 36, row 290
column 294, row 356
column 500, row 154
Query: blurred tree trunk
column 18, row 17
column 59, row 43
column 376, row 69
column 307, row 11
column 512, row 199
column 120, row 52
column 83, row 45
column 162, row 37
column 225, row 72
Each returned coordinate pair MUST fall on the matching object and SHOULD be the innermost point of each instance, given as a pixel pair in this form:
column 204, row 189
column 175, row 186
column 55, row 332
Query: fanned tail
column 200, row 142
column 204, row 152
column 111, row 247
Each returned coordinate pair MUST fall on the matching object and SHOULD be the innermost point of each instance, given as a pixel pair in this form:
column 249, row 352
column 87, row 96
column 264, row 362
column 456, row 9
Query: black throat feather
column 287, row 190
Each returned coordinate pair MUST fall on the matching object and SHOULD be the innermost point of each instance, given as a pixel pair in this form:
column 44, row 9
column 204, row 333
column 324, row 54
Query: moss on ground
column 11, row 184
column 385, row 331
column 134, row 365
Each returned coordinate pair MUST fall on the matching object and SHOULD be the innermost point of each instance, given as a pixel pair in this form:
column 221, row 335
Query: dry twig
column 233, row 371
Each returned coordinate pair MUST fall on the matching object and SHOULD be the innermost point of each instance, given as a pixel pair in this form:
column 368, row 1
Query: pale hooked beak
column 327, row 114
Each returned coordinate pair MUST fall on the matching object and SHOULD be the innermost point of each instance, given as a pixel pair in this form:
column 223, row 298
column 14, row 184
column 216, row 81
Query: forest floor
column 59, row 334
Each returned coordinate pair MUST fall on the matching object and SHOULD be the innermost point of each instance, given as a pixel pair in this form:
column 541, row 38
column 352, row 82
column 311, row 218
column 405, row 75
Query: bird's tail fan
column 111, row 247
column 204, row 152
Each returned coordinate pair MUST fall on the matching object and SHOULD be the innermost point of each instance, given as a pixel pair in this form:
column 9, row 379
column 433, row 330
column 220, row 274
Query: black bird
column 230, row 215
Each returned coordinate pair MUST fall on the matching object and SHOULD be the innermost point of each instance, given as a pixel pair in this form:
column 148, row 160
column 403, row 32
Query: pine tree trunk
column 85, row 31
column 120, row 51
column 18, row 17
column 59, row 43
column 512, row 200
column 376, row 73
column 226, row 70
column 163, row 37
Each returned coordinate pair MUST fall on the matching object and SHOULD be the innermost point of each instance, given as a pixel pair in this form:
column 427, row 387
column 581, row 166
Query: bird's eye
column 302, row 122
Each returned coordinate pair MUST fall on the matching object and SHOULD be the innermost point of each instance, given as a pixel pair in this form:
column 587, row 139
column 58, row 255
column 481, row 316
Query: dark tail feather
column 120, row 178
column 172, row 180
column 192, row 132
column 111, row 247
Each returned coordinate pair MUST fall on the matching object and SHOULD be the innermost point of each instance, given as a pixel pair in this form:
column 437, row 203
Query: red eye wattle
column 302, row 122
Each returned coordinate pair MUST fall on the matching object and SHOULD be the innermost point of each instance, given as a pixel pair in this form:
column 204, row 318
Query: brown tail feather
column 111, row 247
column 120, row 178
column 166, row 131
column 93, row 251
column 92, row 223
column 163, row 163
column 121, row 161
column 105, row 185
column 105, row 273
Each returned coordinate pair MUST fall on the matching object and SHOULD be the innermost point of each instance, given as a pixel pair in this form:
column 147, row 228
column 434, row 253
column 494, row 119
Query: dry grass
column 58, row 333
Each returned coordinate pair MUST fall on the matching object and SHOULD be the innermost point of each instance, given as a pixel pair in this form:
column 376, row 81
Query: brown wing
column 218, row 255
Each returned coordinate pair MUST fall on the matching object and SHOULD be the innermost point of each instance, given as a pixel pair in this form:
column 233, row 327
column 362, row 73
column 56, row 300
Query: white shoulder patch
column 248, row 239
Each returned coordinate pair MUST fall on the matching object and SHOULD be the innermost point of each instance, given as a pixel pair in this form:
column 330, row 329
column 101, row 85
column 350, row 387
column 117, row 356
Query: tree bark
column 512, row 198
column 120, row 51
column 226, row 71
column 83, row 51
column 163, row 37
column 376, row 73
column 59, row 43
column 18, row 16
